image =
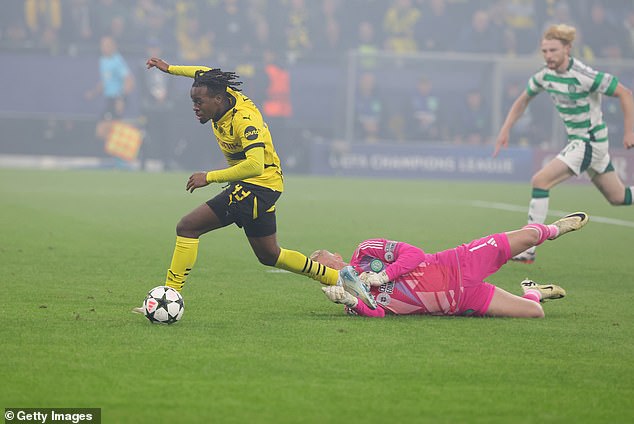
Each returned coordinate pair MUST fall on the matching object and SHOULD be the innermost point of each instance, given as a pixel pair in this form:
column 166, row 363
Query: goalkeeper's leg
column 505, row 304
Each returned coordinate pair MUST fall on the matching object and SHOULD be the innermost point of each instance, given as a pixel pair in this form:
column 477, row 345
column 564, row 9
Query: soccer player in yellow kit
column 254, row 178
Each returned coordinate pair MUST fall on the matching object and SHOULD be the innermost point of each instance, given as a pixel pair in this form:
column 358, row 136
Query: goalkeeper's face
column 331, row 260
column 206, row 106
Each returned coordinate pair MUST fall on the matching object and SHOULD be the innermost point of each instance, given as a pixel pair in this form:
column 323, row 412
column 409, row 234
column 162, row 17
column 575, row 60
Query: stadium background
column 80, row 247
column 337, row 80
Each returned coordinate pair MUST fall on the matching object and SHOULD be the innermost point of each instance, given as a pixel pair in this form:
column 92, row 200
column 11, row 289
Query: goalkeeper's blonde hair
column 562, row 32
column 316, row 254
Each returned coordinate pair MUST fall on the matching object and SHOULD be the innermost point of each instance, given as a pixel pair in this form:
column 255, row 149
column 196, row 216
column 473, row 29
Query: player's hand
column 337, row 294
column 502, row 141
column 374, row 279
column 155, row 62
column 197, row 180
column 628, row 140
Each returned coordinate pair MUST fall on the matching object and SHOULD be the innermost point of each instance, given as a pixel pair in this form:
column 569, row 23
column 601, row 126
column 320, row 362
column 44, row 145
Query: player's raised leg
column 613, row 189
column 570, row 222
column 553, row 173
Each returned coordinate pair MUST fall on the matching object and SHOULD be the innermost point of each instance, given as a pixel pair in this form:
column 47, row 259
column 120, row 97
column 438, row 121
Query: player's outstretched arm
column 627, row 106
column 182, row 70
column 516, row 111
column 155, row 62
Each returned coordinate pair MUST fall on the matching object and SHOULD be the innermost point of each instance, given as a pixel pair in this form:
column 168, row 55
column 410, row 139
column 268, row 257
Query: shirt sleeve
column 604, row 83
column 400, row 257
column 406, row 258
column 363, row 310
column 249, row 128
column 186, row 71
column 252, row 166
column 534, row 87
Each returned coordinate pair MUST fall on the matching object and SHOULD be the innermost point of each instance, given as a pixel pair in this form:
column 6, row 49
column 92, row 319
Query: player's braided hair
column 216, row 81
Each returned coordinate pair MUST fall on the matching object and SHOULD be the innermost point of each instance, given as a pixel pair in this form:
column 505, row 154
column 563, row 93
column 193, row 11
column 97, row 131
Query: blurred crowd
column 262, row 39
column 207, row 30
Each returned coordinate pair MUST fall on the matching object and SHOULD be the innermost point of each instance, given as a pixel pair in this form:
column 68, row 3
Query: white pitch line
column 515, row 208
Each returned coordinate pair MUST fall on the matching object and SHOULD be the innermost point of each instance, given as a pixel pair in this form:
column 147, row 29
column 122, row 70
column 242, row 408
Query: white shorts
column 581, row 156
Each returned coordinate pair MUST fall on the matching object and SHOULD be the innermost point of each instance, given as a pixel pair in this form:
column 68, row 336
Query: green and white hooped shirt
column 577, row 96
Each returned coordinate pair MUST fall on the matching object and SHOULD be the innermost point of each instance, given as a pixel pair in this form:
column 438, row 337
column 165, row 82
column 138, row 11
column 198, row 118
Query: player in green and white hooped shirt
column 576, row 91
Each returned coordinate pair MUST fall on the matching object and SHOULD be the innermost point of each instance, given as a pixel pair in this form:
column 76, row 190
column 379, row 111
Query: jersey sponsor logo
column 251, row 133
column 383, row 299
column 563, row 99
column 387, row 287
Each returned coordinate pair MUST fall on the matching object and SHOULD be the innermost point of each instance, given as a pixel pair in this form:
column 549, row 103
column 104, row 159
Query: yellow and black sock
column 298, row 263
column 185, row 253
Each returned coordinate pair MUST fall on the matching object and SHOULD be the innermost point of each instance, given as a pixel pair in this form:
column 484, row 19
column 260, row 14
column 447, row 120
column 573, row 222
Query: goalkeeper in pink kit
column 405, row 280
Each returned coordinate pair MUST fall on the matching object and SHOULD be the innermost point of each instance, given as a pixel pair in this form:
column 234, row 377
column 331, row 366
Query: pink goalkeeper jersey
column 420, row 283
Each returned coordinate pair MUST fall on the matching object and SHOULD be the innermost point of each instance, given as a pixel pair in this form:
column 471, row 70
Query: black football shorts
column 249, row 206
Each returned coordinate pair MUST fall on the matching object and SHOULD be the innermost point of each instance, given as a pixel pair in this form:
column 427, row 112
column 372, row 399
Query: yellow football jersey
column 240, row 129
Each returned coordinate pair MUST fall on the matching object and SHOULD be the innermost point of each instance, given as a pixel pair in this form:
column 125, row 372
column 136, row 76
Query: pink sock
column 545, row 231
column 533, row 295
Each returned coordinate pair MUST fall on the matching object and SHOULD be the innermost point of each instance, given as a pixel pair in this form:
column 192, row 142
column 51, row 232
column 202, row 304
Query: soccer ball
column 163, row 305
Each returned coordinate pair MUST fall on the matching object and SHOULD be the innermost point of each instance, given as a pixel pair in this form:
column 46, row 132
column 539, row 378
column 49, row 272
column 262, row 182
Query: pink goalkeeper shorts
column 478, row 260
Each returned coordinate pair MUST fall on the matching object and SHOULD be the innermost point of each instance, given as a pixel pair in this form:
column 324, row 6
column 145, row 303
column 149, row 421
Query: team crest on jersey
column 572, row 88
column 251, row 133
column 376, row 265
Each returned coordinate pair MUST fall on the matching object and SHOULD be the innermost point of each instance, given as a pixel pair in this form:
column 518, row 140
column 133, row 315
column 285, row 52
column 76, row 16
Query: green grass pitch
column 80, row 248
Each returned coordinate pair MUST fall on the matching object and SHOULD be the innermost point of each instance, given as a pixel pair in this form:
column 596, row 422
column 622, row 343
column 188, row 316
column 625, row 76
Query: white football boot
column 350, row 281
column 526, row 257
